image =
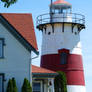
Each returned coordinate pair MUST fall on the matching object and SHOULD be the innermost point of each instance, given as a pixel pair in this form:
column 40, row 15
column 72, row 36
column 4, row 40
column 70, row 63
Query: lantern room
column 61, row 12
column 60, row 6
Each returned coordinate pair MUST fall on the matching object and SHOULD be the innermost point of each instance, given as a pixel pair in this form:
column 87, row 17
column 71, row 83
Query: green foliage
column 14, row 85
column 26, row 86
column 7, row 3
column 60, row 82
column 11, row 86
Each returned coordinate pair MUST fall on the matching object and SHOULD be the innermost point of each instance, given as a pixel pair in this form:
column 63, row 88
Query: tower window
column 63, row 58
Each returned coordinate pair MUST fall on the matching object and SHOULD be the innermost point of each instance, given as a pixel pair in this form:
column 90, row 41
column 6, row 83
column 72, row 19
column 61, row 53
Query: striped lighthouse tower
column 61, row 46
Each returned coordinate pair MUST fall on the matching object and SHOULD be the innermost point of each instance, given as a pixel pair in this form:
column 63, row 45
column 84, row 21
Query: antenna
column 51, row 7
column 51, row 10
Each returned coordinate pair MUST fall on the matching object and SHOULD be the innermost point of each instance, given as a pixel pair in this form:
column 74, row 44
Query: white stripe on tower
column 59, row 40
column 76, row 88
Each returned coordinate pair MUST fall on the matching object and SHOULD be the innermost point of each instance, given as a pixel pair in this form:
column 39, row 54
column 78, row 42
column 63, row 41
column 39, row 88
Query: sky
column 37, row 7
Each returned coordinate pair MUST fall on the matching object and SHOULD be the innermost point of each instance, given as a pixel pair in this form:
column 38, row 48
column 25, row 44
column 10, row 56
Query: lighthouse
column 61, row 46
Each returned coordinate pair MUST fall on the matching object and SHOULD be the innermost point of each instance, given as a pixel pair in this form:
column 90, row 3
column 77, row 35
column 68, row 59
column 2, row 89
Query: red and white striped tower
column 61, row 46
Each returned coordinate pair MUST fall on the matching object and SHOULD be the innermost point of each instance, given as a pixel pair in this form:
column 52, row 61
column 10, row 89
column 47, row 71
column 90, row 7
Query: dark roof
column 23, row 24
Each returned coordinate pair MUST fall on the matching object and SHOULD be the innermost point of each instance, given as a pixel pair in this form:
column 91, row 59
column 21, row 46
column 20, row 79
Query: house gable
column 24, row 34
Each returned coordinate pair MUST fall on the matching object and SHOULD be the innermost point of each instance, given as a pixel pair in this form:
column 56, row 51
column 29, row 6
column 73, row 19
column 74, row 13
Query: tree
column 26, row 86
column 7, row 3
column 60, row 82
column 14, row 85
column 9, row 87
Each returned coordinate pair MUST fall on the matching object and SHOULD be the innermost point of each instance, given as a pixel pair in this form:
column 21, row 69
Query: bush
column 11, row 86
column 26, row 86
column 60, row 82
column 14, row 85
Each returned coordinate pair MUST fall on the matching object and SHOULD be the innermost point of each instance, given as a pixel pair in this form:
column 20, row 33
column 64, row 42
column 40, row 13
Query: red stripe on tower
column 75, row 78
column 52, row 61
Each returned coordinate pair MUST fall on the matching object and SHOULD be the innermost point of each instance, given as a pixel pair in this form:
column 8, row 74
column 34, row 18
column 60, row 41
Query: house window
column 1, row 83
column 63, row 58
column 1, row 47
column 36, row 86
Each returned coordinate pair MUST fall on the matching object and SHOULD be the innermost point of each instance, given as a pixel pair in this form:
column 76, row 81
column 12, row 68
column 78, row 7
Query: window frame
column 40, row 85
column 3, row 43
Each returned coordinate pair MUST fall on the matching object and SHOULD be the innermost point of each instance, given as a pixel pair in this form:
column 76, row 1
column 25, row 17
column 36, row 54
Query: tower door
column 1, row 83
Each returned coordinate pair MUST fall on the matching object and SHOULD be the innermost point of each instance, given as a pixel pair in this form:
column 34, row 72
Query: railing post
column 41, row 19
column 37, row 21
column 63, row 17
column 75, row 18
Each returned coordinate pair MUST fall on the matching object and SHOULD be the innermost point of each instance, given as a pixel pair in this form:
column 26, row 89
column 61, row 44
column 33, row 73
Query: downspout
column 30, row 67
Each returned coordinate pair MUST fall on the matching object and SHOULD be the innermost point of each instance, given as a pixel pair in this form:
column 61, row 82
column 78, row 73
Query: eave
column 44, row 75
